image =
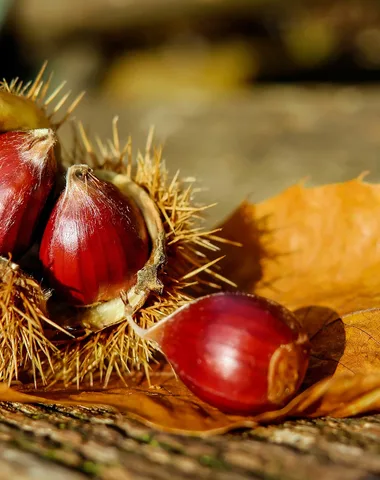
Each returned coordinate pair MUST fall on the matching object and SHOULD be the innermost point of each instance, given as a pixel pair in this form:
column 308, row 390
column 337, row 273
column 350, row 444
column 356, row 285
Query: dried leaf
column 348, row 345
column 340, row 396
column 310, row 247
column 169, row 406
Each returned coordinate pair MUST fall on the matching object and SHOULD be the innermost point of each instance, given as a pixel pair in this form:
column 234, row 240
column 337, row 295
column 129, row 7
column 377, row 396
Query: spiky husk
column 31, row 105
column 188, row 272
column 24, row 347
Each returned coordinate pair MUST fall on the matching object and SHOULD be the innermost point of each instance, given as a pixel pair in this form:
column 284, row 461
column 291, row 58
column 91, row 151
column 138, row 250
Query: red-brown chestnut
column 243, row 354
column 95, row 241
column 27, row 175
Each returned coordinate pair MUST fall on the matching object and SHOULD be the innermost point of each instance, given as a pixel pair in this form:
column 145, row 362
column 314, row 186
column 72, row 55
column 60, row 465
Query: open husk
column 101, row 315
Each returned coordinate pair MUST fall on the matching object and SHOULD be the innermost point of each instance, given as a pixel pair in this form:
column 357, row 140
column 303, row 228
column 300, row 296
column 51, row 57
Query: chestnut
column 27, row 171
column 241, row 353
column 95, row 240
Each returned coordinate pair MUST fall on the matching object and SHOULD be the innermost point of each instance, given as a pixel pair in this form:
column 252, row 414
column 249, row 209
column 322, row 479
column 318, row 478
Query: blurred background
column 249, row 96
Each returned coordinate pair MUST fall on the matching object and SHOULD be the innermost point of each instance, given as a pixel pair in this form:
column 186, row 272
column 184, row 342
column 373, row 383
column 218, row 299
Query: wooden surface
column 62, row 443
column 253, row 144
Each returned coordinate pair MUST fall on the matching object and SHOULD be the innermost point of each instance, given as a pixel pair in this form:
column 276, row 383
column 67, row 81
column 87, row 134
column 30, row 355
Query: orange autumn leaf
column 310, row 247
column 349, row 344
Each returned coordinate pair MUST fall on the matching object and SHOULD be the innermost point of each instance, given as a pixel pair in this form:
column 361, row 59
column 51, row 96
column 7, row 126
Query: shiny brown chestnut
column 95, row 240
column 243, row 354
column 27, row 175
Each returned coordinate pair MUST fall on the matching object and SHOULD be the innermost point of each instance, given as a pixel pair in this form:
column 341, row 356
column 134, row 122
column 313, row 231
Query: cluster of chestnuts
column 101, row 249
column 94, row 240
